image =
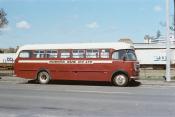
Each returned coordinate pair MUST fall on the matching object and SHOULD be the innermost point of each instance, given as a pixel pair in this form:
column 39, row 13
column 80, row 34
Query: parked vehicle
column 111, row 62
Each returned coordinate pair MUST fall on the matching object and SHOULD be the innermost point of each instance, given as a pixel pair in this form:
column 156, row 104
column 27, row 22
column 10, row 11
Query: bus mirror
column 124, row 58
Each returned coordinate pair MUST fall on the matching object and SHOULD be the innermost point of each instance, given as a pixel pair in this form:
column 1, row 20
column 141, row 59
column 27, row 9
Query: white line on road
column 100, row 92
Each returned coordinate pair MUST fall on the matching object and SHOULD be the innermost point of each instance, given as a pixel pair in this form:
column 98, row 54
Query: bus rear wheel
column 120, row 80
column 43, row 77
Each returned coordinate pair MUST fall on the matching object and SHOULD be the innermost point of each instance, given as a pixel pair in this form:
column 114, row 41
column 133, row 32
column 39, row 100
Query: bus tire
column 43, row 77
column 120, row 80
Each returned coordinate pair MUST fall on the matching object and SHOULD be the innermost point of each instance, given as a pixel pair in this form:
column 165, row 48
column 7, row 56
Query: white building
column 153, row 54
column 7, row 57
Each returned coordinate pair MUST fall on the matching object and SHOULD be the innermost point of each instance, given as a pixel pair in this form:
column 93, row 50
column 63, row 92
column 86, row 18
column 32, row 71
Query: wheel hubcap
column 120, row 79
column 44, row 77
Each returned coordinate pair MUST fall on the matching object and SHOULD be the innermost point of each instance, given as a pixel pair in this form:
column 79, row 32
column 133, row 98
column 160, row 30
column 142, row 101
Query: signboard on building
column 7, row 57
column 154, row 56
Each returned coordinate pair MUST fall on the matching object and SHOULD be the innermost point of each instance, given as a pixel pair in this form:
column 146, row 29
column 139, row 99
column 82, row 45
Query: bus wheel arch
column 120, row 78
column 43, row 76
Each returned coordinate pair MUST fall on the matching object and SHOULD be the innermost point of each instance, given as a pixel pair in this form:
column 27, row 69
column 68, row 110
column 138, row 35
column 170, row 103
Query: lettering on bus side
column 88, row 62
column 70, row 62
column 85, row 62
column 57, row 62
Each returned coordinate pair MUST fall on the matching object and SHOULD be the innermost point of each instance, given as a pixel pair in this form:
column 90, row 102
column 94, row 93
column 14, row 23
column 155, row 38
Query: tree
column 3, row 19
column 148, row 39
column 1, row 51
column 158, row 34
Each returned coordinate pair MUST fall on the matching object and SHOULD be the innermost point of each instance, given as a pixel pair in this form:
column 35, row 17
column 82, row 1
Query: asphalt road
column 21, row 99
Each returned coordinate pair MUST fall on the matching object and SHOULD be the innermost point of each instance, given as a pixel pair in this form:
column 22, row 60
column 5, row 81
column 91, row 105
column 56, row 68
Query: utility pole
column 174, row 19
column 168, row 76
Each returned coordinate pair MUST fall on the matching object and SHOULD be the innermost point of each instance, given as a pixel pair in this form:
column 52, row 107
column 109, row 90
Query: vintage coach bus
column 112, row 62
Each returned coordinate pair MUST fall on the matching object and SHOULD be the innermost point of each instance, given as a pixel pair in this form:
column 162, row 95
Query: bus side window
column 39, row 54
column 92, row 53
column 65, row 54
column 118, row 55
column 104, row 53
column 78, row 53
column 51, row 54
column 25, row 54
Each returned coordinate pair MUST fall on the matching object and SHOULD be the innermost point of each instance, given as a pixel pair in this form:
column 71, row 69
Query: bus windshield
column 130, row 55
column 124, row 54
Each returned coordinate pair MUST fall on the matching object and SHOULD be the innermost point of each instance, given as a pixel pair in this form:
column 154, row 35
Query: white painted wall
column 154, row 56
column 7, row 57
column 145, row 56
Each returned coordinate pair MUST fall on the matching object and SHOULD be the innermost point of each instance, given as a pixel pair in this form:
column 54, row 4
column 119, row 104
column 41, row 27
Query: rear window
column 25, row 54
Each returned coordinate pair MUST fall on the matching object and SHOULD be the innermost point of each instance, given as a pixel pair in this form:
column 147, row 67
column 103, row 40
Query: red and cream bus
column 112, row 62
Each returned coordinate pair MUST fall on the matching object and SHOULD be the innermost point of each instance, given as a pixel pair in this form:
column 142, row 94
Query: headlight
column 136, row 66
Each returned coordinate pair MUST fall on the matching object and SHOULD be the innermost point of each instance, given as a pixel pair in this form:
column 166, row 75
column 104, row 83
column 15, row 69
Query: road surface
column 22, row 99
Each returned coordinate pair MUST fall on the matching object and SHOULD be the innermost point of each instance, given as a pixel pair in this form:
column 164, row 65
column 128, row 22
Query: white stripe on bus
column 66, row 61
column 33, row 61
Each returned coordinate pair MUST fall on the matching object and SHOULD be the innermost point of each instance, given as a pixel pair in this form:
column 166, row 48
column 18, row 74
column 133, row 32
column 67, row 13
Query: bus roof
column 113, row 45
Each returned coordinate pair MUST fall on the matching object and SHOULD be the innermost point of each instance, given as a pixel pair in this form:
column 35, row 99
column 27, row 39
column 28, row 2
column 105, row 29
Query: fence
column 6, row 68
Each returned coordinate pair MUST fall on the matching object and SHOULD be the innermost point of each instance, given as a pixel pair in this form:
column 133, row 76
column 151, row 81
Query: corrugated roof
column 151, row 46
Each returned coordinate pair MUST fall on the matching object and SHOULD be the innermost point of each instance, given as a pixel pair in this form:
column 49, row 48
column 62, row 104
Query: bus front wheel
column 43, row 77
column 120, row 80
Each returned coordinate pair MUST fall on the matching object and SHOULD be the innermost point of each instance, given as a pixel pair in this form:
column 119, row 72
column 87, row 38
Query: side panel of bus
column 25, row 70
column 93, row 72
column 92, row 69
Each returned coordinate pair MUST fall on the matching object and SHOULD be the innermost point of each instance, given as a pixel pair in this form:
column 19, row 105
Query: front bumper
column 135, row 77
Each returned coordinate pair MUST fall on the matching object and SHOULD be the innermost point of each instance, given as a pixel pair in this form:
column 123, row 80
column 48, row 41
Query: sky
column 81, row 21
